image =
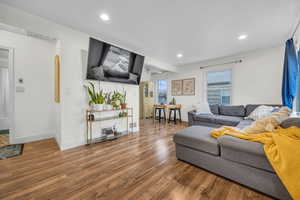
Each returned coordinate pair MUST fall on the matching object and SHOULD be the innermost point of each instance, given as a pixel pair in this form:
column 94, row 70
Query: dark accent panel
column 138, row 66
column 104, row 53
column 96, row 48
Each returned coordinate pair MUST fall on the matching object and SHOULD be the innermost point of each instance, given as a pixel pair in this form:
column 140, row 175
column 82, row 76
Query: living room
column 203, row 53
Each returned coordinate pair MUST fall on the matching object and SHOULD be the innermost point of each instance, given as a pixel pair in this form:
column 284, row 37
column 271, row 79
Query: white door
column 4, row 87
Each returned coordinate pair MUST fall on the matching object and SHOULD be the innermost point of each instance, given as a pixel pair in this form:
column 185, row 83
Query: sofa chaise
column 239, row 160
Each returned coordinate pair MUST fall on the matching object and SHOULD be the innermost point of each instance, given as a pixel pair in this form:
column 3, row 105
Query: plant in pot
column 116, row 99
column 123, row 100
column 108, row 101
column 97, row 99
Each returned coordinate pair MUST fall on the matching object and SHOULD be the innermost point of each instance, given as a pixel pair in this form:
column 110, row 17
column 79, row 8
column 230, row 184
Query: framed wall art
column 176, row 87
column 188, row 87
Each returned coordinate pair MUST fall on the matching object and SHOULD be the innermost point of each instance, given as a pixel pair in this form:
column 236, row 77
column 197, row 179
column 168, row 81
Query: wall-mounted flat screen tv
column 107, row 62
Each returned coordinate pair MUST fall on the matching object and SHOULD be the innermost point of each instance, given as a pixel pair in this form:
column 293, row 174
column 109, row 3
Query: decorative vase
column 123, row 106
column 98, row 106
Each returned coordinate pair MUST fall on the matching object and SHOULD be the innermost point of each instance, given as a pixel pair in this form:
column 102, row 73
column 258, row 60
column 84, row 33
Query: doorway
column 146, row 99
column 5, row 63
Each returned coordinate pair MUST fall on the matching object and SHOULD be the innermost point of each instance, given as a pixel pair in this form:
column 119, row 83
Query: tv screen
column 114, row 64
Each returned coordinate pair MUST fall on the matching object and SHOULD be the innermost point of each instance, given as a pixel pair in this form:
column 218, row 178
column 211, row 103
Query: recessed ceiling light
column 242, row 37
column 104, row 17
column 179, row 55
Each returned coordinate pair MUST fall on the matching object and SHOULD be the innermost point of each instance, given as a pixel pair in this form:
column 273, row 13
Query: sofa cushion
column 244, row 151
column 293, row 121
column 202, row 117
column 238, row 111
column 227, row 120
column 214, row 108
column 199, row 138
column 251, row 107
column 244, row 123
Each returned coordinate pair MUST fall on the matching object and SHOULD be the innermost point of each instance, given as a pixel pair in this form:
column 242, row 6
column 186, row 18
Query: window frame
column 231, row 81
column 157, row 90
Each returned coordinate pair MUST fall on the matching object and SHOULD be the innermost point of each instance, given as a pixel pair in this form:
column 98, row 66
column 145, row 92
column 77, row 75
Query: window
column 219, row 87
column 161, row 91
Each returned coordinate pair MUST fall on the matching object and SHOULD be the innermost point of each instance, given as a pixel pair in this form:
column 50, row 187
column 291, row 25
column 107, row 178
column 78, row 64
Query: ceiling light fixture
column 104, row 17
column 179, row 55
column 242, row 37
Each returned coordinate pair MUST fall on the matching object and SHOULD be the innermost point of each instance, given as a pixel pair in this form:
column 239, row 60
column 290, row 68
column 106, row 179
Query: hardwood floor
column 135, row 167
column 4, row 140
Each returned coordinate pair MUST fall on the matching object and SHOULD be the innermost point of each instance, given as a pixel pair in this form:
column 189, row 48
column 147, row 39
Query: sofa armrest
column 292, row 121
column 191, row 117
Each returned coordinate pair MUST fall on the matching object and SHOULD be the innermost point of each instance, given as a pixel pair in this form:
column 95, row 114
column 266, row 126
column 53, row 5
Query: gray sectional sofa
column 222, row 115
column 240, row 160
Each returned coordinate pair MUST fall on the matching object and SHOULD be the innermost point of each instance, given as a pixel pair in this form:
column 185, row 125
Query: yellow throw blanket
column 282, row 148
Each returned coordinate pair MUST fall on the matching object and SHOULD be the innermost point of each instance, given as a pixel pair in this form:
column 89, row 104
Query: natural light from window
column 219, row 87
column 162, row 87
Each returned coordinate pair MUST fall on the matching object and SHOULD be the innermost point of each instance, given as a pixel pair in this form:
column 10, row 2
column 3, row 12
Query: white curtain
column 4, row 84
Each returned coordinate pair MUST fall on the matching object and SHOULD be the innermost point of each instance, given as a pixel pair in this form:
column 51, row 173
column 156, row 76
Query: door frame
column 11, row 102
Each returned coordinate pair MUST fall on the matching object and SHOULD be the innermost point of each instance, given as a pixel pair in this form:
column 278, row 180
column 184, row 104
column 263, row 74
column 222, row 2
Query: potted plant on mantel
column 97, row 99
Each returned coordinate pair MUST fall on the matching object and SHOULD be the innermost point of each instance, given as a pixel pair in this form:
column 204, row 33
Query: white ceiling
column 200, row 29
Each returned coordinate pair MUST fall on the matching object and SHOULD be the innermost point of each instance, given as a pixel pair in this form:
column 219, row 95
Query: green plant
column 115, row 99
column 123, row 98
column 108, row 98
column 95, row 97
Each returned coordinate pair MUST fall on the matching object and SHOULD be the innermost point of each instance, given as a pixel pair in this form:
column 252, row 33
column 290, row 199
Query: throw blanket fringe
column 282, row 148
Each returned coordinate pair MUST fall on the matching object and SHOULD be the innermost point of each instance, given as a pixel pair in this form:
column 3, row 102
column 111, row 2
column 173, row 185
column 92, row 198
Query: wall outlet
column 132, row 125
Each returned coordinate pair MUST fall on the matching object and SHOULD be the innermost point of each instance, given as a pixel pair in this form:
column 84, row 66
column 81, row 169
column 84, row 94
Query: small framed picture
column 188, row 87
column 176, row 87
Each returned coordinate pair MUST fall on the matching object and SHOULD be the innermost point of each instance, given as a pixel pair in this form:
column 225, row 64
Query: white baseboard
column 20, row 140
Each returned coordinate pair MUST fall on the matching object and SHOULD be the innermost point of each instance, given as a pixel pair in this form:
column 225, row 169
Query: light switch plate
column 20, row 89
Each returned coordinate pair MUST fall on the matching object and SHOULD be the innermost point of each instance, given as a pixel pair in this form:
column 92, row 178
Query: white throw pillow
column 260, row 112
column 202, row 108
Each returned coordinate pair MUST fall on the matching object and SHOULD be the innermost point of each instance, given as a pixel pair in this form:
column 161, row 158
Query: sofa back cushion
column 292, row 121
column 214, row 109
column 251, row 107
column 238, row 111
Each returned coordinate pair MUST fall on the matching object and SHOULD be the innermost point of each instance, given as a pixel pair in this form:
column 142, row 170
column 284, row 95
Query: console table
column 90, row 121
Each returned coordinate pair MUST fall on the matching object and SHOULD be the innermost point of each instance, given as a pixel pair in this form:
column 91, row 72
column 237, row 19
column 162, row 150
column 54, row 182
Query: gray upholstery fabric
column 244, row 123
column 244, row 151
column 205, row 118
column 227, row 120
column 238, row 111
column 251, row 107
column 293, row 121
column 213, row 120
column 261, row 180
column 214, row 109
column 198, row 137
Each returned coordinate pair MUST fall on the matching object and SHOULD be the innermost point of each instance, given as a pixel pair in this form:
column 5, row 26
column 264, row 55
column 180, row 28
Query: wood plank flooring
column 142, row 166
column 4, row 140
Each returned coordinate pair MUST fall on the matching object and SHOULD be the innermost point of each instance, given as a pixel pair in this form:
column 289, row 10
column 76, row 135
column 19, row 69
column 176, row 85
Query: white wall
column 256, row 80
column 34, row 117
column 72, row 127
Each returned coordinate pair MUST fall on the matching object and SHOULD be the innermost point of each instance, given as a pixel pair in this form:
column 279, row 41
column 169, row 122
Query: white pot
column 98, row 106
column 108, row 107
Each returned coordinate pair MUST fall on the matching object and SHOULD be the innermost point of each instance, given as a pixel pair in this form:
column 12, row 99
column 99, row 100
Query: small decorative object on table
column 173, row 102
